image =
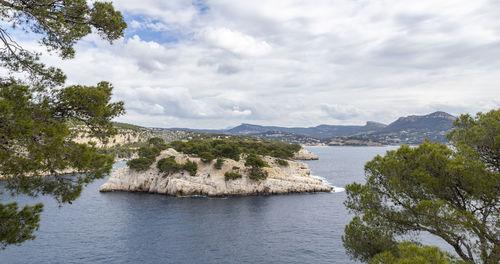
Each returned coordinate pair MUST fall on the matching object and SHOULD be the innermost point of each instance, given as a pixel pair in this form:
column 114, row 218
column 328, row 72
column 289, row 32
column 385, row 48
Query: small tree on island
column 452, row 193
column 256, row 164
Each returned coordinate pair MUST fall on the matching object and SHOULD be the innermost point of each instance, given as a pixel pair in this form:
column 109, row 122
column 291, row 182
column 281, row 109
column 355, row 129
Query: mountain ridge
column 412, row 129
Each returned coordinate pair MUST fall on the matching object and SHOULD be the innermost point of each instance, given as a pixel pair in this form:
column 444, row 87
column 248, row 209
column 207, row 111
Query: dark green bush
column 282, row 162
column 236, row 168
column 157, row 142
column 231, row 176
column 140, row 164
column 206, row 157
column 282, row 153
column 168, row 165
column 257, row 174
column 232, row 147
column 255, row 161
column 228, row 150
column 218, row 164
column 191, row 167
column 149, row 152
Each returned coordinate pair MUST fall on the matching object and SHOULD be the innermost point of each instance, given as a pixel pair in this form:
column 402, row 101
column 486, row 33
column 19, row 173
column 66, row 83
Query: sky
column 219, row 63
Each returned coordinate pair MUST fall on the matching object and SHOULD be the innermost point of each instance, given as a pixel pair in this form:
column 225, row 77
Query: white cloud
column 296, row 63
column 236, row 42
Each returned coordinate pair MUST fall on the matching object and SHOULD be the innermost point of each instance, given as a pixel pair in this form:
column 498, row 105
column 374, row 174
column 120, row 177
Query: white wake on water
column 326, row 182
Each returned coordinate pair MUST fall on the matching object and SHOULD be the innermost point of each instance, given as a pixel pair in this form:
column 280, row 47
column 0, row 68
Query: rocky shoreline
column 304, row 154
column 209, row 181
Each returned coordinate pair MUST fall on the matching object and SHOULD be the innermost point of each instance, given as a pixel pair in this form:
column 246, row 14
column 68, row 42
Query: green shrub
column 255, row 161
column 218, row 164
column 282, row 153
column 228, row 150
column 157, row 142
column 282, row 162
column 257, row 174
column 236, row 168
column 191, row 167
column 149, row 152
column 234, row 146
column 206, row 157
column 140, row 164
column 168, row 165
column 231, row 176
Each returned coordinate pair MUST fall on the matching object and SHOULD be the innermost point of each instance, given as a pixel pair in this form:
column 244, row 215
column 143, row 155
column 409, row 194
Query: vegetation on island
column 209, row 149
column 232, row 176
column 169, row 165
column 147, row 154
column 282, row 162
column 256, row 164
column 452, row 192
column 36, row 109
column 218, row 163
column 233, row 147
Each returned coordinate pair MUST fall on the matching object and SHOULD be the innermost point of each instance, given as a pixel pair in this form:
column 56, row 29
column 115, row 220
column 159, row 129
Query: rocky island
column 183, row 169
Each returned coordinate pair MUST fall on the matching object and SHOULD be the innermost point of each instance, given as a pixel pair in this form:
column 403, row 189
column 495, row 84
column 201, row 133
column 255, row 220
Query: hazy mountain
column 321, row 131
column 437, row 121
column 409, row 130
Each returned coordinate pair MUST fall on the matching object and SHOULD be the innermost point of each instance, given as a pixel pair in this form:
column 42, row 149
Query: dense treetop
column 36, row 111
column 452, row 193
column 210, row 149
column 59, row 25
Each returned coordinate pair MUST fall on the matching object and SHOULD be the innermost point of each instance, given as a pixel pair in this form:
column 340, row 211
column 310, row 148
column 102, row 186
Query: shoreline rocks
column 304, row 154
column 208, row 181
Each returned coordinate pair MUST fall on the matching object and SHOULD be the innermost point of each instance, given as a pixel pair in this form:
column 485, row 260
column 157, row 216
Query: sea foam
column 326, row 182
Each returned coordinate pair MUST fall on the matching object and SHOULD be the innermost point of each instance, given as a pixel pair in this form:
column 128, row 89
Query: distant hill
column 437, row 121
column 405, row 130
column 321, row 131
column 408, row 130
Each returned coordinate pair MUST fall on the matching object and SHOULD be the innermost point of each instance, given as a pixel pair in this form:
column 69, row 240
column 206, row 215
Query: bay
column 122, row 227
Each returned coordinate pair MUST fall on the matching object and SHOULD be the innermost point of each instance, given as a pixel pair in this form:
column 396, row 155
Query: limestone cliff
column 211, row 182
column 122, row 137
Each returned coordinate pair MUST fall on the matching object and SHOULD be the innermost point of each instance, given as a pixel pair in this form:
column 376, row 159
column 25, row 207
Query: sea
column 121, row 227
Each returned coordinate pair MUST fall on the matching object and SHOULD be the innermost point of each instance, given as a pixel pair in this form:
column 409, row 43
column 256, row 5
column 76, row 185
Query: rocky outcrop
column 304, row 154
column 209, row 181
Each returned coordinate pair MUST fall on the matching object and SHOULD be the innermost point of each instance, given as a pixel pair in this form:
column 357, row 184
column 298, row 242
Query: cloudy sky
column 219, row 63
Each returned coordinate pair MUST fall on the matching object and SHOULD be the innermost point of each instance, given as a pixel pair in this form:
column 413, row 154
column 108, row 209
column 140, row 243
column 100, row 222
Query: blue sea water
column 122, row 227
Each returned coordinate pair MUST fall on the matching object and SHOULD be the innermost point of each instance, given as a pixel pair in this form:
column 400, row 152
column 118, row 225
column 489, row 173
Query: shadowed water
column 124, row 227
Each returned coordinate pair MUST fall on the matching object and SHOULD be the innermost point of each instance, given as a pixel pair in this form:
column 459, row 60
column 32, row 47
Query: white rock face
column 123, row 137
column 304, row 154
column 210, row 181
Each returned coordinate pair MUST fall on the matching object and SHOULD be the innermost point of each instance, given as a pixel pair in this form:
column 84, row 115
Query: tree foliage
column 232, row 148
column 218, row 163
column 231, row 176
column 452, row 193
column 256, row 164
column 37, row 114
column 60, row 24
column 168, row 166
column 414, row 253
